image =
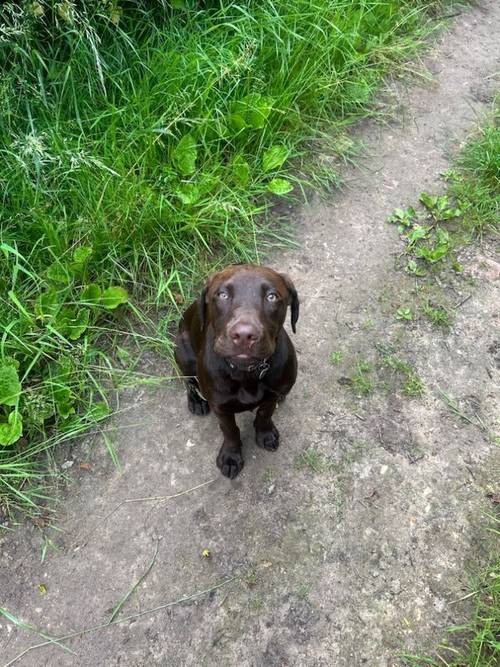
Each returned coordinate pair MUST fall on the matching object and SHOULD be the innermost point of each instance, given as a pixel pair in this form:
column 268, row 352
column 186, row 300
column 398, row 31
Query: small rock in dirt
column 66, row 465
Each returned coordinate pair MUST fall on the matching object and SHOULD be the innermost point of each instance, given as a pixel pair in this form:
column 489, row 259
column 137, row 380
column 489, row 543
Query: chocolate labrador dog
column 232, row 347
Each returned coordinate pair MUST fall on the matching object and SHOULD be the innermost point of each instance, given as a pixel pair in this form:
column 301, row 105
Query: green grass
column 362, row 382
column 475, row 183
column 140, row 148
column 476, row 643
column 310, row 459
column 336, row 357
column 256, row 602
column 438, row 315
column 411, row 384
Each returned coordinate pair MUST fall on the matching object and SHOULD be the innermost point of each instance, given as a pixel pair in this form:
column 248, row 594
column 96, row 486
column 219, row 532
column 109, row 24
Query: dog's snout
column 244, row 334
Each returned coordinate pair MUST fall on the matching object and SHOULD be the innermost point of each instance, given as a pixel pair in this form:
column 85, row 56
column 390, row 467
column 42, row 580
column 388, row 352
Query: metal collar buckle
column 262, row 367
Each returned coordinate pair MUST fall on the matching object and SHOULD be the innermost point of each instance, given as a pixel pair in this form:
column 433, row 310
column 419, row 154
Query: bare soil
column 347, row 556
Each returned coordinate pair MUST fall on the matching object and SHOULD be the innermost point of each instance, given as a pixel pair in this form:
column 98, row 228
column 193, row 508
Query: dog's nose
column 244, row 334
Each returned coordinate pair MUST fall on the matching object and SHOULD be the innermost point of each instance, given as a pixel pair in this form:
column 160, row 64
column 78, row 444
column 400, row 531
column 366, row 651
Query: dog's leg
column 266, row 434
column 185, row 358
column 229, row 460
column 197, row 404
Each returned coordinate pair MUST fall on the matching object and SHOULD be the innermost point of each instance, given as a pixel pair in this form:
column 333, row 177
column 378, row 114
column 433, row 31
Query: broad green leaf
column 397, row 215
column 12, row 429
column 112, row 297
column 441, row 203
column 238, row 121
column 61, row 393
column 39, row 407
column 443, row 236
column 77, row 325
column 251, row 112
column 48, row 304
column 91, row 294
column 72, row 322
column 241, row 170
column 417, row 233
column 10, row 361
column 404, row 314
column 428, row 201
column 280, row 186
column 188, row 193
column 10, row 387
column 82, row 253
column 274, row 157
column 432, row 254
column 449, row 213
column 207, row 184
column 58, row 273
column 65, row 409
column 184, row 155
column 403, row 218
column 413, row 268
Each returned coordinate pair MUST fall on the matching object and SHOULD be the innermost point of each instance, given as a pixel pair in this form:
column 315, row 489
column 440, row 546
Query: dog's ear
column 203, row 300
column 293, row 300
column 202, row 305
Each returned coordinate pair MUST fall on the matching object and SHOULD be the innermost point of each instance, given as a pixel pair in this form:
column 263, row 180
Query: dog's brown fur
column 232, row 347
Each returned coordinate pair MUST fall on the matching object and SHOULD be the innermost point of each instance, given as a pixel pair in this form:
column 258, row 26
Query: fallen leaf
column 85, row 466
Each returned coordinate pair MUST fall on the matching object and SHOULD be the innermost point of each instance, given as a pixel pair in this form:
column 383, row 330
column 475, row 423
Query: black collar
column 259, row 367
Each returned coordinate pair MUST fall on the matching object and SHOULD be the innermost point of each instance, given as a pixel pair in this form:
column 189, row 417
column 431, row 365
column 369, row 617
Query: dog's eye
column 272, row 296
column 223, row 295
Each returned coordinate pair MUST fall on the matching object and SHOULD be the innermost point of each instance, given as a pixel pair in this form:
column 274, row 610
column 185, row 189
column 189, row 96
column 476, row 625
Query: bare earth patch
column 354, row 541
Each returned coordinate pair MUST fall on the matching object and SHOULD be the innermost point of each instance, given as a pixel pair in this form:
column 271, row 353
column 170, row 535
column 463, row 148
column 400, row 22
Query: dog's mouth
column 257, row 353
column 244, row 360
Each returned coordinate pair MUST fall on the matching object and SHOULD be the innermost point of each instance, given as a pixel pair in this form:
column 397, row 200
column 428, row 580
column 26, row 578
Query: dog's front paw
column 268, row 439
column 197, row 405
column 230, row 463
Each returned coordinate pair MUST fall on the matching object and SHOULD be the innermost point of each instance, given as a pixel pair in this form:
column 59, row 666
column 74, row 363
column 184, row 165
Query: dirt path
column 361, row 551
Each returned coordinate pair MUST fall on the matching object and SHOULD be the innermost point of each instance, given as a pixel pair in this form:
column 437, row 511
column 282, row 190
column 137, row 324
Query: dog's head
column 246, row 306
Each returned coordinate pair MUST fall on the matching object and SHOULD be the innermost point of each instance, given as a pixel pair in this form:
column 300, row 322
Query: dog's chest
column 250, row 393
column 245, row 396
